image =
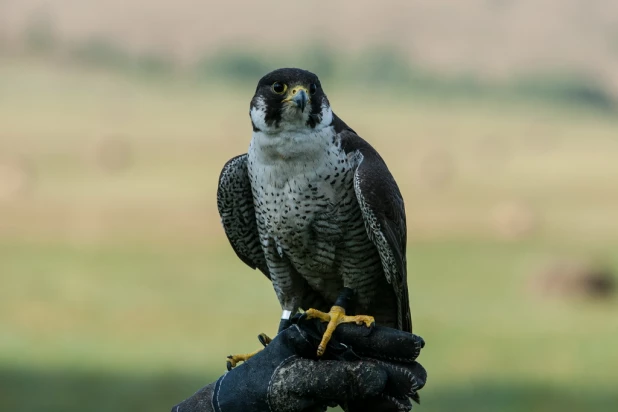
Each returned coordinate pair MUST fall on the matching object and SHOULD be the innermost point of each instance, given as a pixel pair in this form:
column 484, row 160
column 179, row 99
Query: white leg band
column 286, row 314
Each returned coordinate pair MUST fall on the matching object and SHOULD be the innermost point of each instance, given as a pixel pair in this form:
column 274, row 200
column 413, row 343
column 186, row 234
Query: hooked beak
column 299, row 96
column 301, row 100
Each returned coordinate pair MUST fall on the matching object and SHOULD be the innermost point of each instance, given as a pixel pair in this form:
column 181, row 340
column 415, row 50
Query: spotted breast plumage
column 314, row 207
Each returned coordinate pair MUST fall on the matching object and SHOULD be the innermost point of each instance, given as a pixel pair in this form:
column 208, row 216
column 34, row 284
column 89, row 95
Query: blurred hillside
column 494, row 38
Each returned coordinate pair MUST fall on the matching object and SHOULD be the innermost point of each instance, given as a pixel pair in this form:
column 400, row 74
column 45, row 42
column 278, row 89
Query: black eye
column 279, row 88
column 313, row 88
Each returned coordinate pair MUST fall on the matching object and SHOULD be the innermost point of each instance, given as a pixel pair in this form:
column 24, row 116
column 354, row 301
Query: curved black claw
column 230, row 363
column 264, row 339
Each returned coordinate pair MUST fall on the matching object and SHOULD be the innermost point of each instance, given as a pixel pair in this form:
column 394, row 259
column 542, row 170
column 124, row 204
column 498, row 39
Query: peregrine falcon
column 314, row 207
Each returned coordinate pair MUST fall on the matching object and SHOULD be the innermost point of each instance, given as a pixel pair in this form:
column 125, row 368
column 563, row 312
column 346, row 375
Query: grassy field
column 119, row 290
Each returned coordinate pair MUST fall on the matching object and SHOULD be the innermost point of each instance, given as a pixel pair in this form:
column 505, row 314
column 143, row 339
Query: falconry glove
column 363, row 369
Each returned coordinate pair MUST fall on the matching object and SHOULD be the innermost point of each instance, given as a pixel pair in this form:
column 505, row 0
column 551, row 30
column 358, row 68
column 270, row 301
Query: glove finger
column 383, row 343
column 328, row 381
column 349, row 380
column 404, row 380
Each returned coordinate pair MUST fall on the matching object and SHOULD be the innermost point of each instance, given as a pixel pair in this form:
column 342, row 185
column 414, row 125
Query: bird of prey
column 314, row 207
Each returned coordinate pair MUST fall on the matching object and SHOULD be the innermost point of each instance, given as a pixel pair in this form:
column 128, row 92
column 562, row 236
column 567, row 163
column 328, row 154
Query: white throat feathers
column 292, row 139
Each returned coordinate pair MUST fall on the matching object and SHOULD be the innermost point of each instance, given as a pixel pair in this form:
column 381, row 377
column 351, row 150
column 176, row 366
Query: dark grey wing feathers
column 384, row 213
column 235, row 204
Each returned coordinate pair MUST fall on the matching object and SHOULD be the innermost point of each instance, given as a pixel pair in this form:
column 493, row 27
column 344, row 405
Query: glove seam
column 406, row 373
column 216, row 397
column 300, row 332
column 270, row 382
column 400, row 406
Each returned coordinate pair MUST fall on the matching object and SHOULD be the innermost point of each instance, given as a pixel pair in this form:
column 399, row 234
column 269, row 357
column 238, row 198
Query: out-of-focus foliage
column 382, row 67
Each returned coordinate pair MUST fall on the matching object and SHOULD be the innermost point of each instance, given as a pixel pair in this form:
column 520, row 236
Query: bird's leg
column 234, row 360
column 337, row 316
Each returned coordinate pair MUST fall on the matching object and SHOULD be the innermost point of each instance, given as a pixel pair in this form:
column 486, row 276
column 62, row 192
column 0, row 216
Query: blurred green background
column 118, row 289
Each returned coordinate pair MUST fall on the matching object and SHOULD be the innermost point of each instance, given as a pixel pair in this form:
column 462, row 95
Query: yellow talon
column 234, row 360
column 335, row 317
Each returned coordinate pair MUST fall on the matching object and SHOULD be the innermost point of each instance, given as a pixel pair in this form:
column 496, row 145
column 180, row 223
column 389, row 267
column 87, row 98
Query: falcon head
column 289, row 100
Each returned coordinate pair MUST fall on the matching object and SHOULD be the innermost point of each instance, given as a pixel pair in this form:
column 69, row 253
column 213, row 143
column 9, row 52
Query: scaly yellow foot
column 335, row 317
column 234, row 360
